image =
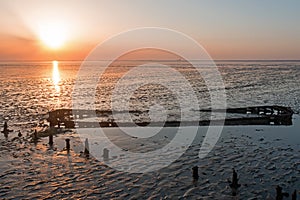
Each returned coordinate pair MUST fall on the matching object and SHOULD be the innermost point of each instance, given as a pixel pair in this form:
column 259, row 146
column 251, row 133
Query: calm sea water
column 264, row 156
column 30, row 89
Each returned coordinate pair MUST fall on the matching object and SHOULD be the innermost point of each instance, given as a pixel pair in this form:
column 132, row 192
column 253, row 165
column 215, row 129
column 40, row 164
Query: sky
column 231, row 29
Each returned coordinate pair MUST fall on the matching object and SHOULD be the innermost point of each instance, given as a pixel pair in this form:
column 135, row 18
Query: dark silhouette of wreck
column 259, row 115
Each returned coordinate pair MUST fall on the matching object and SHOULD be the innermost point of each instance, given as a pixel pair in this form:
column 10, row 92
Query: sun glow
column 52, row 35
column 55, row 75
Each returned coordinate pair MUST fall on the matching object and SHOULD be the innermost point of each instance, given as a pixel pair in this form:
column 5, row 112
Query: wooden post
column 280, row 194
column 234, row 183
column 294, row 195
column 105, row 154
column 35, row 136
column 68, row 144
column 195, row 173
column 5, row 127
column 5, row 130
column 50, row 139
column 86, row 148
column 19, row 134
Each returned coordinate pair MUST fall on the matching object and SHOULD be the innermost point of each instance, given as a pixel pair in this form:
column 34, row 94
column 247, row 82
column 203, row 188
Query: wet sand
column 263, row 156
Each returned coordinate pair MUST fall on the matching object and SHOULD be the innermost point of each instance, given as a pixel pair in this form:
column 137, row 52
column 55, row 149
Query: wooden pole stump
column 50, row 140
column 105, row 154
column 86, row 148
column 68, row 144
column 195, row 173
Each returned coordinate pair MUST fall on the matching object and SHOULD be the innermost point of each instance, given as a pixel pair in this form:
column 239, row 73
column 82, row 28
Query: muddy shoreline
column 263, row 156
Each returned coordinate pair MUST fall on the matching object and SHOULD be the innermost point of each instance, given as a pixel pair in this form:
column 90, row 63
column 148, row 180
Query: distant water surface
column 30, row 89
column 264, row 156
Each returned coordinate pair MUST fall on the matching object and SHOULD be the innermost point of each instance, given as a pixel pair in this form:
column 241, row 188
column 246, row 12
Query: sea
column 263, row 156
column 31, row 89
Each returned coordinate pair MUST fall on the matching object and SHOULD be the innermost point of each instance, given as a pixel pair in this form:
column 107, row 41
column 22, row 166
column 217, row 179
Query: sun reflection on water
column 55, row 75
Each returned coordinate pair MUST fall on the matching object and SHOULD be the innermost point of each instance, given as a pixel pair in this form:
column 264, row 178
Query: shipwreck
column 256, row 115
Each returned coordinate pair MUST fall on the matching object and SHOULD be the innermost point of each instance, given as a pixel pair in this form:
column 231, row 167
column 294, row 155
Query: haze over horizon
column 251, row 30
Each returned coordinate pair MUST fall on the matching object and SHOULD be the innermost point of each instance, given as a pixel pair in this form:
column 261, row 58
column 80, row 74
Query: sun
column 53, row 35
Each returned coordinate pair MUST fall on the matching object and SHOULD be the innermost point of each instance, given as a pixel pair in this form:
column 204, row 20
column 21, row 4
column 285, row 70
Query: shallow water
column 29, row 90
column 264, row 156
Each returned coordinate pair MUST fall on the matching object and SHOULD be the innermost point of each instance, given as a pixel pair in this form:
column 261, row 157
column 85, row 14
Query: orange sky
column 235, row 30
column 13, row 48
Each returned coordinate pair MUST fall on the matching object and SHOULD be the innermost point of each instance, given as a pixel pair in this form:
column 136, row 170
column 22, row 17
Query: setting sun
column 149, row 99
column 53, row 36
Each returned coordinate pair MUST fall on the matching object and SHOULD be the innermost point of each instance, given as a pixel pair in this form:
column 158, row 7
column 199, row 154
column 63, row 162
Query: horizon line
column 216, row 60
